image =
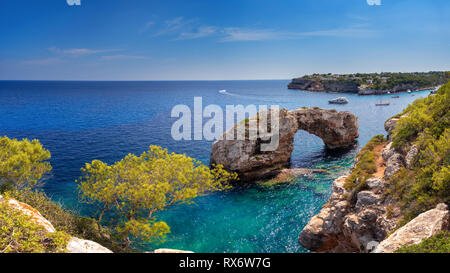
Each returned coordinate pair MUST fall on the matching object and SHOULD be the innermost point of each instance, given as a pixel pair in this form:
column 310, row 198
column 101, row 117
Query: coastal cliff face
column 333, row 86
column 370, row 84
column 337, row 130
column 360, row 219
column 324, row 86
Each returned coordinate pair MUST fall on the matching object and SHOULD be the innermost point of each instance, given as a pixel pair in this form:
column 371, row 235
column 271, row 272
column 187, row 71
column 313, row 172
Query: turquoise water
column 82, row 121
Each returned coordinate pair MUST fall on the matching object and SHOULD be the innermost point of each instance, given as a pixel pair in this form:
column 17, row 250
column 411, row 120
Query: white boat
column 222, row 91
column 340, row 100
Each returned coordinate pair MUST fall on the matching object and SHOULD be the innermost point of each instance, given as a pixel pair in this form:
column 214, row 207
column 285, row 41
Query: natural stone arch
column 336, row 129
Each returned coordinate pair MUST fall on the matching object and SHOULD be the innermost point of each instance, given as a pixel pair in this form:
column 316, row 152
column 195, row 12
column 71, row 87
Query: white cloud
column 123, row 57
column 240, row 34
column 200, row 32
column 176, row 25
column 352, row 32
column 80, row 51
column 182, row 29
column 374, row 2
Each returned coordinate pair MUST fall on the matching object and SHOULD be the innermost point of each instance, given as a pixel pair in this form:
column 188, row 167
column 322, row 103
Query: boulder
column 422, row 227
column 374, row 183
column 77, row 245
column 367, row 198
column 393, row 165
column 167, row 250
column 33, row 213
column 251, row 162
column 409, row 158
column 388, row 151
column 343, row 227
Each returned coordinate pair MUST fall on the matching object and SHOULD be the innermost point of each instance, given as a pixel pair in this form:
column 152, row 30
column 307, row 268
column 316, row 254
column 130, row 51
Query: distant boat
column 395, row 97
column 222, row 91
column 409, row 90
column 381, row 103
column 340, row 100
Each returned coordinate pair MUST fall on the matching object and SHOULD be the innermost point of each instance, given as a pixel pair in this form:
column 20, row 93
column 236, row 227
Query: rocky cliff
column 336, row 129
column 370, row 84
column 324, row 86
column 361, row 219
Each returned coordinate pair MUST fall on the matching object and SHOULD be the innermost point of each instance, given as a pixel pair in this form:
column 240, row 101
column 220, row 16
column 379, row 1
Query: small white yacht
column 340, row 100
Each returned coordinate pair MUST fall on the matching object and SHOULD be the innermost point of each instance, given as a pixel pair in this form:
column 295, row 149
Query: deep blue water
column 82, row 121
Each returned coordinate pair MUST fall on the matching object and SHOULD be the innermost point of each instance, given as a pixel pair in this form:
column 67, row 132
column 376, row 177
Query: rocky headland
column 336, row 129
column 370, row 84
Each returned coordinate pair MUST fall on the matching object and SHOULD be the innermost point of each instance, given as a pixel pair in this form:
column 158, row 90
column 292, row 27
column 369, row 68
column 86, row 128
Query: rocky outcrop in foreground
column 362, row 224
column 336, row 129
column 75, row 245
column 420, row 228
column 345, row 227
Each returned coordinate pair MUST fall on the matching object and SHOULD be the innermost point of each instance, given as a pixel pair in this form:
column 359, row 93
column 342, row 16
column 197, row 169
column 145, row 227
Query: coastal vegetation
column 19, row 234
column 127, row 193
column 22, row 163
column 137, row 187
column 364, row 168
column 426, row 124
column 439, row 243
column 385, row 80
column 370, row 84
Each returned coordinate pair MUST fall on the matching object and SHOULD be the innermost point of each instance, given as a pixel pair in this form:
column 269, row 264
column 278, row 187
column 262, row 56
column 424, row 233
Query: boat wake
column 251, row 97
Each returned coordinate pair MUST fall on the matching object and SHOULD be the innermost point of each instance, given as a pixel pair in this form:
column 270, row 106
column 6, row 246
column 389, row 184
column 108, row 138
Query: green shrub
column 431, row 112
column 364, row 167
column 19, row 234
column 440, row 243
column 22, row 163
column 63, row 220
column 427, row 182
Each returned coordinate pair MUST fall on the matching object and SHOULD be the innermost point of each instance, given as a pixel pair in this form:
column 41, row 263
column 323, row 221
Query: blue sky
column 219, row 40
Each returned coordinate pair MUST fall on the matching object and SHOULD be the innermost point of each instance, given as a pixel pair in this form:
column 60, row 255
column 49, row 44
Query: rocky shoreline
column 351, row 87
column 368, row 221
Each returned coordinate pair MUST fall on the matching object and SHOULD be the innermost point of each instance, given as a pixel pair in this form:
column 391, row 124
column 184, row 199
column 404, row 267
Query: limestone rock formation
column 75, row 245
column 360, row 226
column 336, row 129
column 389, row 125
column 422, row 227
column 344, row 227
column 33, row 213
column 323, row 86
column 166, row 250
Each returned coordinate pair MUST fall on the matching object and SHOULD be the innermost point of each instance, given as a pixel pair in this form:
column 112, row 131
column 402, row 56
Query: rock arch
column 336, row 129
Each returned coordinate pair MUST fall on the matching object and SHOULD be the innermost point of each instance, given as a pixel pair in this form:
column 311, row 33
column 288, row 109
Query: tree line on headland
column 370, row 83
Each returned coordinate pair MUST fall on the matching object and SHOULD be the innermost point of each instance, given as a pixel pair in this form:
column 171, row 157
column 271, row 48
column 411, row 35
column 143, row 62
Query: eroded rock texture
column 336, row 129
